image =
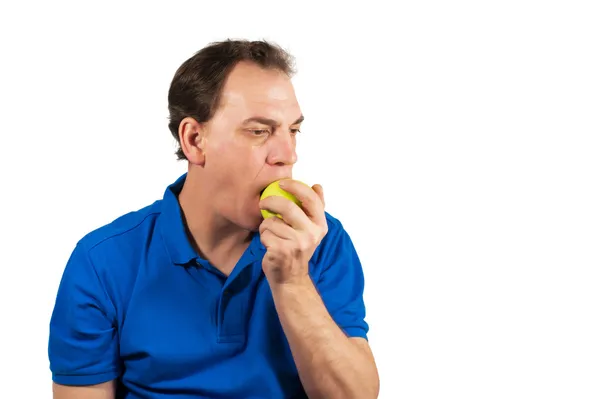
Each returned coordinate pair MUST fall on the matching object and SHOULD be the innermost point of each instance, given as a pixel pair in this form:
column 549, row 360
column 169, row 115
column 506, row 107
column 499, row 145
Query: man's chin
column 256, row 225
column 253, row 222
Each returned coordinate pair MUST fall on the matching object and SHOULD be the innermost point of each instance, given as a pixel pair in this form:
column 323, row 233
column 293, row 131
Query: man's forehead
column 259, row 98
column 267, row 104
column 251, row 83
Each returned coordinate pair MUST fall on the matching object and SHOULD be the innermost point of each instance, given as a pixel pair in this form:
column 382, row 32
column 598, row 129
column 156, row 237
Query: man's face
column 250, row 141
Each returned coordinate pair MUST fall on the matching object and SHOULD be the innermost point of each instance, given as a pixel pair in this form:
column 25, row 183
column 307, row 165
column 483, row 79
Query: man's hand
column 292, row 241
column 329, row 363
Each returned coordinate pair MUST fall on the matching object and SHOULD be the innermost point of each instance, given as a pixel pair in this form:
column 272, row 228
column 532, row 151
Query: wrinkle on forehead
column 258, row 93
column 249, row 83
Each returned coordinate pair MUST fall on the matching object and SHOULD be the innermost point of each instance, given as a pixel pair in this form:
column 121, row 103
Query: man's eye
column 259, row 132
column 295, row 131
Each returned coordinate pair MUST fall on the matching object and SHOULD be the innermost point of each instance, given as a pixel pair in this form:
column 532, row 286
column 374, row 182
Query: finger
column 311, row 202
column 268, row 238
column 319, row 190
column 291, row 213
column 277, row 227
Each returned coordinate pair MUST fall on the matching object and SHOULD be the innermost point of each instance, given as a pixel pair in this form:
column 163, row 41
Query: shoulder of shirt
column 129, row 222
column 336, row 236
column 334, row 225
column 121, row 227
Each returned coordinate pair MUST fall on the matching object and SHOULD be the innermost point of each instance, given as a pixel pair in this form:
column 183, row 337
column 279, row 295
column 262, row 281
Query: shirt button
column 227, row 293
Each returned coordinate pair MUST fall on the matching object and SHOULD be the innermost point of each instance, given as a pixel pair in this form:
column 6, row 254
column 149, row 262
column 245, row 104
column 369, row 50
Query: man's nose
column 283, row 150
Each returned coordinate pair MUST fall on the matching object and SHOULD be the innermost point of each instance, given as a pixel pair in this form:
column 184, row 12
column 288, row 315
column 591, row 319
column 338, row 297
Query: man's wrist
column 300, row 287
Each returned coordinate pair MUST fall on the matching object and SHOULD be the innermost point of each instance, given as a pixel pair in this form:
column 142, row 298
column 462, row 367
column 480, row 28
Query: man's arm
column 330, row 364
column 318, row 323
column 100, row 391
column 83, row 341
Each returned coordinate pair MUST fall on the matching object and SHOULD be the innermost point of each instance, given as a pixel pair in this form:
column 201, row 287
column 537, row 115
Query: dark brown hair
column 197, row 84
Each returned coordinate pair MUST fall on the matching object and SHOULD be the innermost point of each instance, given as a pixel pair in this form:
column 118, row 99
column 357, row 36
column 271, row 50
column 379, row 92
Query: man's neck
column 215, row 238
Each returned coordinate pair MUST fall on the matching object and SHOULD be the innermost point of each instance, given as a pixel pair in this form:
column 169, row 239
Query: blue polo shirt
column 137, row 303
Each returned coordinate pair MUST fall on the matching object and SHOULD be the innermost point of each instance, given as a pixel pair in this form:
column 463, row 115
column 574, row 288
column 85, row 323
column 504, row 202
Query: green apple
column 274, row 189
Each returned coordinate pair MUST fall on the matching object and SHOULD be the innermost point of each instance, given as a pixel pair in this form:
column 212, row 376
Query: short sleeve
column 83, row 343
column 341, row 282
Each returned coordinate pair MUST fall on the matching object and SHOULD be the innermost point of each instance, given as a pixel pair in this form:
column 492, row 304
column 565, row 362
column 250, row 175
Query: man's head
column 235, row 115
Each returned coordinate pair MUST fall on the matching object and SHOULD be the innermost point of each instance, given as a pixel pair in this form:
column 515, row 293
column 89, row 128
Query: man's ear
column 192, row 139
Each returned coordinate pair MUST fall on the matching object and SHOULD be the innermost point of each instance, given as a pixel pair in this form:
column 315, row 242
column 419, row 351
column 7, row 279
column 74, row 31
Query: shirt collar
column 172, row 225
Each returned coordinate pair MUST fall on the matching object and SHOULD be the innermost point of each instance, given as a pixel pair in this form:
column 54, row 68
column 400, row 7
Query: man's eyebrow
column 269, row 122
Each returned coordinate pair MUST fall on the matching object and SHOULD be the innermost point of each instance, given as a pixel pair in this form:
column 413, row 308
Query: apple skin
column 274, row 189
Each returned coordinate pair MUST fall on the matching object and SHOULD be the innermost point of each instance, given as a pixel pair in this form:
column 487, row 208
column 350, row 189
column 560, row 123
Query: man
column 196, row 296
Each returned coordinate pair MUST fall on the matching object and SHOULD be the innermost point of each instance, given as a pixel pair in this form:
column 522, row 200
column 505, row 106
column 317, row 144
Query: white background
column 458, row 142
